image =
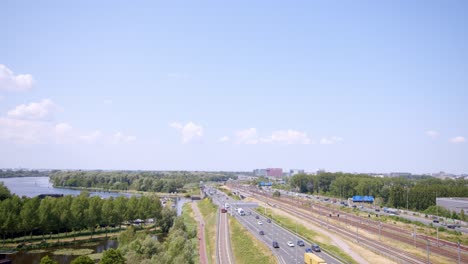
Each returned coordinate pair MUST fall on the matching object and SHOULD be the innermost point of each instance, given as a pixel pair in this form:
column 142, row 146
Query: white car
column 260, row 223
column 290, row 243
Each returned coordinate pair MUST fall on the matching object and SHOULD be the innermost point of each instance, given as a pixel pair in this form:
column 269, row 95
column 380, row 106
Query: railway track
column 372, row 226
column 441, row 247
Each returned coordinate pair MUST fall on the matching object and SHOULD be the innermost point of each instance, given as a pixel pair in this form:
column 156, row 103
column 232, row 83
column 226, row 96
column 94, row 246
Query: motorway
column 223, row 242
column 273, row 232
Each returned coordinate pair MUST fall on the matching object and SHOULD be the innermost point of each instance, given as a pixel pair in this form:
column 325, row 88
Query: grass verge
column 208, row 211
column 191, row 224
column 308, row 234
column 246, row 248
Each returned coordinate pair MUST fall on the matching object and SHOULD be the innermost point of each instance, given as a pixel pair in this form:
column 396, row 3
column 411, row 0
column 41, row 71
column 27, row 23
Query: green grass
column 308, row 234
column 209, row 210
column 191, row 224
column 246, row 248
column 235, row 197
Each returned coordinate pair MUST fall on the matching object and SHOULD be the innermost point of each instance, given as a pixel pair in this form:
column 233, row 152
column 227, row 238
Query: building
column 274, row 172
column 260, row 172
column 293, row 172
column 453, row 204
column 400, row 174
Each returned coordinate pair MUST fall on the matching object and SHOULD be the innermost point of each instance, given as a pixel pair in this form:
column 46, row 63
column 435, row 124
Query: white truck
column 240, row 211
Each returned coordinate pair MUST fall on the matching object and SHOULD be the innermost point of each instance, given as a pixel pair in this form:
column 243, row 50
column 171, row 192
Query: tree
column 47, row 260
column 166, row 220
column 28, row 215
column 276, row 194
column 462, row 215
column 112, row 256
column 4, row 192
column 93, row 213
column 82, row 260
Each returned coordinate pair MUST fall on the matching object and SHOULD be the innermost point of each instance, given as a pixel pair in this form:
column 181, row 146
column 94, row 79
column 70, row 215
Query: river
column 34, row 186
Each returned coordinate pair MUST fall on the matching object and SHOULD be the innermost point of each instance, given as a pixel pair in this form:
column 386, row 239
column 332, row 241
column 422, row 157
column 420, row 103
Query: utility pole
column 414, row 235
column 459, row 252
column 380, row 228
column 357, row 233
column 428, row 252
column 407, row 193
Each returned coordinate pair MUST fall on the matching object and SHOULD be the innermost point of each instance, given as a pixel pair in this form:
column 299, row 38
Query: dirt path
column 201, row 234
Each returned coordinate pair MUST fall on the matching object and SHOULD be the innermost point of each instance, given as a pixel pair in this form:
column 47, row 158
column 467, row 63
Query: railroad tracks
column 367, row 225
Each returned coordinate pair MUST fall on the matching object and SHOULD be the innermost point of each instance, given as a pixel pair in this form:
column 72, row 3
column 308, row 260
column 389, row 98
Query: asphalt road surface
column 272, row 232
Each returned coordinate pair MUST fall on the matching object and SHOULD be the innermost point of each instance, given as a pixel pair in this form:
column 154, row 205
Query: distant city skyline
column 361, row 86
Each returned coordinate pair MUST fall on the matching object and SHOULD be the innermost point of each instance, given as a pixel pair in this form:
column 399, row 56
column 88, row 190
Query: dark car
column 451, row 226
column 377, row 209
column 268, row 220
column 316, row 248
column 257, row 217
column 300, row 243
column 261, row 232
column 275, row 244
column 308, row 250
column 435, row 220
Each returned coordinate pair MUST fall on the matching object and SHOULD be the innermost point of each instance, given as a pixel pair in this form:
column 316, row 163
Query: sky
column 354, row 86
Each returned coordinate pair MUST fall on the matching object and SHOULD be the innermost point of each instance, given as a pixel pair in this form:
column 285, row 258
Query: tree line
column 28, row 216
column 417, row 193
column 156, row 181
column 8, row 173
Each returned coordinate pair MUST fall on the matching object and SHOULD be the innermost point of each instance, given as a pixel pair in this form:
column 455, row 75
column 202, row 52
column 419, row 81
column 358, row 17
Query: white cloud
column 119, row 138
column 34, row 110
column 24, row 131
column 11, row 82
column 432, row 133
column 189, row 131
column 288, row 137
column 247, row 136
column 330, row 140
column 224, row 139
column 63, row 128
column 458, row 140
column 91, row 137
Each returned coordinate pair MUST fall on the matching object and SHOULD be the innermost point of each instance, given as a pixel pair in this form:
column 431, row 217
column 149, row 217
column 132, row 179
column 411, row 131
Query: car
column 308, row 250
column 290, row 243
column 275, row 244
column 316, row 248
column 300, row 243
column 435, row 220
column 268, row 220
column 451, row 226
column 261, row 232
column 257, row 217
column 377, row 209
column 260, row 222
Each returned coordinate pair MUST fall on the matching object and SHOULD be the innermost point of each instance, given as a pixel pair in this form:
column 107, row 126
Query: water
column 23, row 257
column 34, row 186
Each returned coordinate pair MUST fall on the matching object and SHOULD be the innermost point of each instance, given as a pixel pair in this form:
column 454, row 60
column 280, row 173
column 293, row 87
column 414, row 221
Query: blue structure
column 363, row 199
column 265, row 184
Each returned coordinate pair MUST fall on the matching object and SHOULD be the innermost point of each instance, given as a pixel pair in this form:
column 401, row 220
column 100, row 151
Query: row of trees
column 416, row 193
column 22, row 173
column 134, row 180
column 21, row 216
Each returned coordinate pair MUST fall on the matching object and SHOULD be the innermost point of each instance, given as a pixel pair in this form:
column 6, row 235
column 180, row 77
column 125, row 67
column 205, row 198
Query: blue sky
column 355, row 86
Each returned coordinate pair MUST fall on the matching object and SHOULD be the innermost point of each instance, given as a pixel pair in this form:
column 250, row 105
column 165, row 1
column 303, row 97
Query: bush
column 83, row 260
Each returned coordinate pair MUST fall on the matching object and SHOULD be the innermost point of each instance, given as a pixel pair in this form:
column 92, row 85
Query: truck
column 311, row 258
column 240, row 211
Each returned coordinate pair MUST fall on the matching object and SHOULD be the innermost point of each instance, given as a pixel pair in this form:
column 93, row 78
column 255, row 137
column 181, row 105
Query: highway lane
column 273, row 232
column 223, row 247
